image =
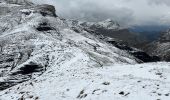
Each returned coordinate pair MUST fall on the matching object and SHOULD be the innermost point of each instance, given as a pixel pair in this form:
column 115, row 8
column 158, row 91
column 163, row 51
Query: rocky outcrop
column 15, row 49
column 45, row 10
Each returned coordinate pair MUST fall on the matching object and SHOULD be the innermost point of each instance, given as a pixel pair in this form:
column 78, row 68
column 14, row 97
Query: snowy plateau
column 46, row 57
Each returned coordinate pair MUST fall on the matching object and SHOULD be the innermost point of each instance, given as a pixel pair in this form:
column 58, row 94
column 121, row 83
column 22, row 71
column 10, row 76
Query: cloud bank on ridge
column 126, row 12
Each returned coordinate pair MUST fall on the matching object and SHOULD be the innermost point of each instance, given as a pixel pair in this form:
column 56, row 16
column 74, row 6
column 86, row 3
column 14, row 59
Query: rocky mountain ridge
column 33, row 38
column 111, row 26
column 112, row 29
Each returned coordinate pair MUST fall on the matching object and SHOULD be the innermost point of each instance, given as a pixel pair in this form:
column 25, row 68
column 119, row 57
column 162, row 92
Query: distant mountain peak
column 109, row 23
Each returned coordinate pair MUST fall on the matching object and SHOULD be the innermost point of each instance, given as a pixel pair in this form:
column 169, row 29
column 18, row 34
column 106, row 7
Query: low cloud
column 126, row 12
column 95, row 12
column 160, row 2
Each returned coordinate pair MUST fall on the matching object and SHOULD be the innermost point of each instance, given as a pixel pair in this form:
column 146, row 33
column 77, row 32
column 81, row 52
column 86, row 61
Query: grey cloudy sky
column 126, row 12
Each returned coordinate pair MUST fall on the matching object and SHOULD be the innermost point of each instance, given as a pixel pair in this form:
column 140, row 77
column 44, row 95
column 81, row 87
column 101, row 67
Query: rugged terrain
column 45, row 57
column 33, row 38
column 112, row 29
column 161, row 47
column 116, row 82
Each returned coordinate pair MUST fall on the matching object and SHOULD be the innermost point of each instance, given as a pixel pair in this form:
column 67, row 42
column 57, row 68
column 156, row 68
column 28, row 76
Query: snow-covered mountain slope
column 112, row 29
column 106, row 24
column 118, row 82
column 161, row 47
column 33, row 39
column 43, row 56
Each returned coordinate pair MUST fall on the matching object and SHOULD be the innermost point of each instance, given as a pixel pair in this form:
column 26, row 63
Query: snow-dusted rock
column 118, row 82
column 33, row 39
column 106, row 24
column 43, row 56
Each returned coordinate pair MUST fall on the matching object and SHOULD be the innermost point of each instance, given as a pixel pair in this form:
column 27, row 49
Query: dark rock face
column 141, row 55
column 145, row 57
column 161, row 47
column 30, row 68
column 5, row 85
column 44, row 27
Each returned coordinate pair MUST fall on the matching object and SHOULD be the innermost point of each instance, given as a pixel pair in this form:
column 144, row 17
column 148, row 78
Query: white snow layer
column 80, row 66
column 119, row 82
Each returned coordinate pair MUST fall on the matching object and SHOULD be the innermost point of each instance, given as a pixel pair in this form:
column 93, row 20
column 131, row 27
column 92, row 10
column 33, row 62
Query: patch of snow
column 119, row 82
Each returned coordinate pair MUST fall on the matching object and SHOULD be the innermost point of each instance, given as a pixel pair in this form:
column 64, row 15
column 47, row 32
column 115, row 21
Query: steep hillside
column 161, row 47
column 108, row 35
column 34, row 39
column 43, row 56
column 112, row 29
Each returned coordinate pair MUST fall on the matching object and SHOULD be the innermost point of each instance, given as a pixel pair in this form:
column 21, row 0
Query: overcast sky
column 126, row 12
